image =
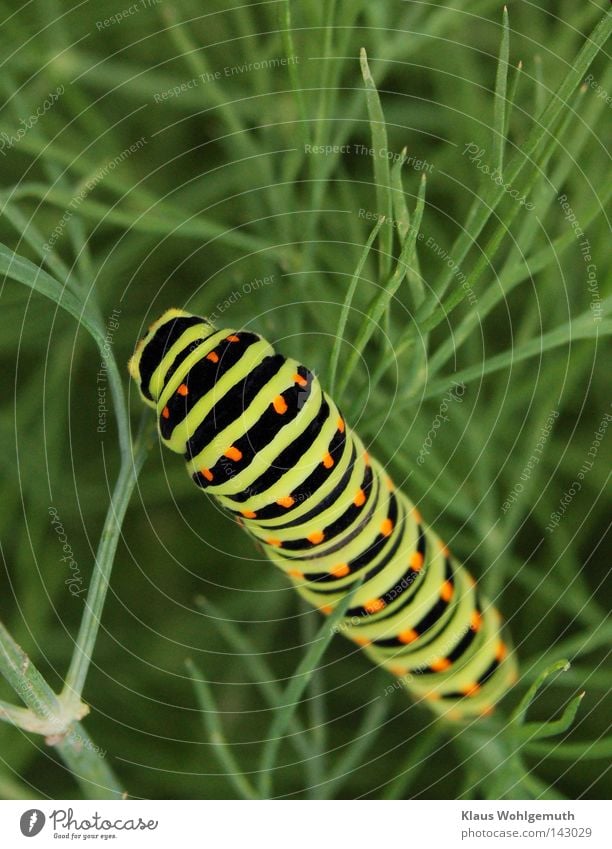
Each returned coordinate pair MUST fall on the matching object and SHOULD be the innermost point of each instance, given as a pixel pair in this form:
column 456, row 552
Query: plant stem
column 25, row 680
column 88, row 765
column 94, row 604
column 48, row 714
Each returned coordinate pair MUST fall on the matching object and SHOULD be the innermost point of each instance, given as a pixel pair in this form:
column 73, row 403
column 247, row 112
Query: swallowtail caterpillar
column 259, row 433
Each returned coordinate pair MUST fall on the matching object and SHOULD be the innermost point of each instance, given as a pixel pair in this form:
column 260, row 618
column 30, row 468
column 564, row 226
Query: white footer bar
column 306, row 824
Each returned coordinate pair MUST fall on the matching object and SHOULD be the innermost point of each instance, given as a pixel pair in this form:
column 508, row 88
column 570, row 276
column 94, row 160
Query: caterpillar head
column 154, row 346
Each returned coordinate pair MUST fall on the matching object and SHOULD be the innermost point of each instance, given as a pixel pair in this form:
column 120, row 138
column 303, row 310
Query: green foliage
column 176, row 168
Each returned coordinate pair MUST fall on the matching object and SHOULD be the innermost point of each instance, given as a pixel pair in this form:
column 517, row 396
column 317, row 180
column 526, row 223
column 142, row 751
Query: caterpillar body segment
column 258, row 432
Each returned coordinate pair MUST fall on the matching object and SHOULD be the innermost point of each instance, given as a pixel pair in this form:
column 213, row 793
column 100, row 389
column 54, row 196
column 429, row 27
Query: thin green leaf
column 578, row 645
column 587, row 751
column 316, row 709
column 537, row 730
column 365, row 737
column 413, row 765
column 23, row 271
column 398, row 351
column 381, row 302
column 539, row 90
column 382, row 175
column 512, row 99
column 346, row 307
column 518, row 715
column 146, row 220
column 402, row 221
column 25, row 226
column 195, row 59
column 500, row 105
column 400, row 208
column 105, row 556
column 258, row 668
column 537, row 149
column 296, row 687
column 212, row 724
column 519, row 265
column 582, row 327
column 34, row 238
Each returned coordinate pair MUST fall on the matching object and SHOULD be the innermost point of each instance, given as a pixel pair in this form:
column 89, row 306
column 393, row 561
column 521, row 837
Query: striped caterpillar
column 259, row 433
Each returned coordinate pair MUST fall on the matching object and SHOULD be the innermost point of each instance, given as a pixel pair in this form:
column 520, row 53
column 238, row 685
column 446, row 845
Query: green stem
column 87, row 763
column 295, row 690
column 212, row 723
column 500, row 103
column 26, row 681
column 90, row 623
column 50, row 715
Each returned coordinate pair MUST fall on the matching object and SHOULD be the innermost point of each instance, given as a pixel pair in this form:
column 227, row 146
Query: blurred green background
column 210, row 188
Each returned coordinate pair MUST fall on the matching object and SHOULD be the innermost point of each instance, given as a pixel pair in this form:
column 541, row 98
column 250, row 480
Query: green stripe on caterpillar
column 259, row 433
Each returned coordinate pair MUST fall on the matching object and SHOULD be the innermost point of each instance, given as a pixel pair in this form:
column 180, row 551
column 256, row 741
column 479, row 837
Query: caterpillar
column 260, row 434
